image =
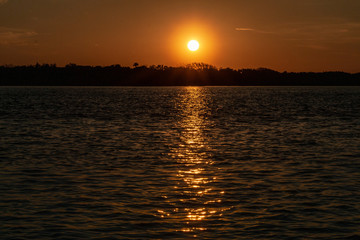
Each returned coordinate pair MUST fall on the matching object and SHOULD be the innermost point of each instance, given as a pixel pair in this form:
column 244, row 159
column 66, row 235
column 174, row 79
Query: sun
column 193, row 45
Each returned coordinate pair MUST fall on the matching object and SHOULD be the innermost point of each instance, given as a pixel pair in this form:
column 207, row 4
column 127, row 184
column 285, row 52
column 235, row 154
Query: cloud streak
column 325, row 36
column 244, row 29
column 308, row 29
column 18, row 37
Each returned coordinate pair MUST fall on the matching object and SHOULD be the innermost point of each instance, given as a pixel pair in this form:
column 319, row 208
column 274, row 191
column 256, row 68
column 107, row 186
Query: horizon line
column 192, row 66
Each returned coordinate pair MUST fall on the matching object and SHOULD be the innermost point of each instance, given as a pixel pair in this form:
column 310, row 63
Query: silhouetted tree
column 160, row 75
column 200, row 66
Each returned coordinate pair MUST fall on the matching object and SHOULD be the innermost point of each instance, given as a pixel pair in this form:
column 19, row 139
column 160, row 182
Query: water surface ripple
column 180, row 163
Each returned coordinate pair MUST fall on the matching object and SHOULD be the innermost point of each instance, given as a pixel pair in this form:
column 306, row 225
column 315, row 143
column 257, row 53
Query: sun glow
column 193, row 41
column 193, row 45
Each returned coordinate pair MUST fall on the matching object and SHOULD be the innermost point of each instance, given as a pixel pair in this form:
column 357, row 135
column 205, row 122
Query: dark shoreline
column 197, row 74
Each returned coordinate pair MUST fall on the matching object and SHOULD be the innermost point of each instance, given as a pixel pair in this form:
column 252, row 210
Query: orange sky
column 284, row 35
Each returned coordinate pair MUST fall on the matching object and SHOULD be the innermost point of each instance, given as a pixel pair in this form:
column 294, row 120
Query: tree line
column 195, row 74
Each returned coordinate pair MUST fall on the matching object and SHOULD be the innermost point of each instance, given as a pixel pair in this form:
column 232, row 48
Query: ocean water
column 180, row 163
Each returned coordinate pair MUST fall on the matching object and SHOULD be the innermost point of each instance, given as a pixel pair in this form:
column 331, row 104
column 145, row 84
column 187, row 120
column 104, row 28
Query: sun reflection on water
column 195, row 197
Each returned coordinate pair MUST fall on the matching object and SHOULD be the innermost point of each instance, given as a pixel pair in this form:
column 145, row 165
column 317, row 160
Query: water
column 180, row 163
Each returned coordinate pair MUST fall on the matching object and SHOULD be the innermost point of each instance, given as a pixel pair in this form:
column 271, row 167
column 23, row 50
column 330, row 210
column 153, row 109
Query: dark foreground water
column 179, row 163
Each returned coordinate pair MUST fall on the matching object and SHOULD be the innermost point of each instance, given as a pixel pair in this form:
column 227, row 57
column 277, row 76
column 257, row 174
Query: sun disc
column 193, row 45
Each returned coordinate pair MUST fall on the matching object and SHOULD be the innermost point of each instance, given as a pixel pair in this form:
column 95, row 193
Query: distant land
column 195, row 74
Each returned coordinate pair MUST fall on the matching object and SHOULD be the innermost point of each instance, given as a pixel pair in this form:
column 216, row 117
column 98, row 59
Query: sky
column 284, row 35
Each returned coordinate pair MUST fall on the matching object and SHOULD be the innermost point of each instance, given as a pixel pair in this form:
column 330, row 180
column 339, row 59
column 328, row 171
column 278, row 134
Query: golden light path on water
column 195, row 198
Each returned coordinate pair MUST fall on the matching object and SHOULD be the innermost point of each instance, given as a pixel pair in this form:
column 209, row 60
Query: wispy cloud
column 244, row 29
column 312, row 35
column 302, row 29
column 339, row 36
column 18, row 37
column 322, row 28
column 317, row 36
